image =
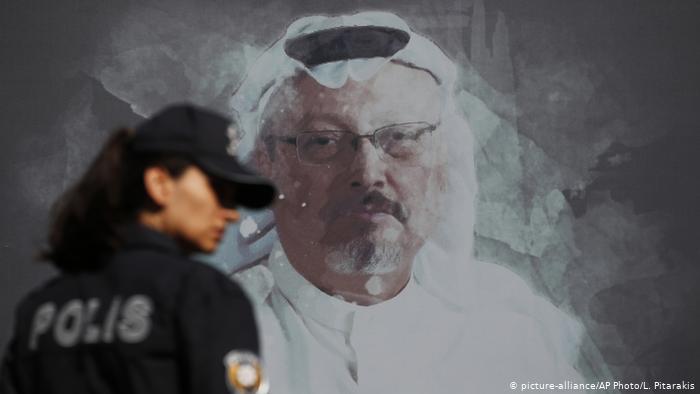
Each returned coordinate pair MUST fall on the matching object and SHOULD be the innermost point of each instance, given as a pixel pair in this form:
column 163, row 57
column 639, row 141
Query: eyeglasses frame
column 372, row 137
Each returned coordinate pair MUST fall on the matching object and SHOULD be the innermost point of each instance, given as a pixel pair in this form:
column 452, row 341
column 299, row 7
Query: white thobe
column 412, row 343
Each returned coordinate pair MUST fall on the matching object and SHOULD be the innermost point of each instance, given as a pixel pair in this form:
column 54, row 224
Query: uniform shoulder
column 146, row 260
column 169, row 276
column 211, row 280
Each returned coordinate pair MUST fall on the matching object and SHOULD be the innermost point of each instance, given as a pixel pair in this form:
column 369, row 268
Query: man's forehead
column 396, row 92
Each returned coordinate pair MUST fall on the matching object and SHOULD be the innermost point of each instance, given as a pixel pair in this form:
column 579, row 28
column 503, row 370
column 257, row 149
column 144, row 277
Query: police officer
column 130, row 312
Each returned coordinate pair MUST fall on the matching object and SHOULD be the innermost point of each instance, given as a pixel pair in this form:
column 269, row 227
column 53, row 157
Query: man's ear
column 159, row 185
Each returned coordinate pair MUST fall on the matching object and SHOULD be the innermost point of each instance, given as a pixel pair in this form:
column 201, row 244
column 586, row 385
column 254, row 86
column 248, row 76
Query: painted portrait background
column 584, row 115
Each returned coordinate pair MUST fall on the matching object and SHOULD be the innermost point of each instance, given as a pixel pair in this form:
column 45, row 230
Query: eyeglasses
column 404, row 142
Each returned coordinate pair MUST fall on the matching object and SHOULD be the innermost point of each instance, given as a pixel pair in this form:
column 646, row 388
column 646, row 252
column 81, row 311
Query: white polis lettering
column 92, row 331
column 136, row 323
column 108, row 333
column 77, row 321
column 41, row 323
column 69, row 324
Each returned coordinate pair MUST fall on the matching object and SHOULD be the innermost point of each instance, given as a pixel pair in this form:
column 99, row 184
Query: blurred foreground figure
column 363, row 271
column 130, row 312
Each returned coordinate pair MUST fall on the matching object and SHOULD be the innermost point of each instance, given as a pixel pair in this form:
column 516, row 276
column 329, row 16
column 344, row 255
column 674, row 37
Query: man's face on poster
column 358, row 166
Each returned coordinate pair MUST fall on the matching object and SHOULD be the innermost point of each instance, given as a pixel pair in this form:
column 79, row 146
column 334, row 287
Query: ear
column 159, row 185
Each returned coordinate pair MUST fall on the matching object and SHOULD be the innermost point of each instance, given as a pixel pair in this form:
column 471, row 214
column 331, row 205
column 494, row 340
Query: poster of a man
column 369, row 284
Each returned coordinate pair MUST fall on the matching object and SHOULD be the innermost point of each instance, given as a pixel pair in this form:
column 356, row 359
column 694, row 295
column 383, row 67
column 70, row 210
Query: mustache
column 374, row 201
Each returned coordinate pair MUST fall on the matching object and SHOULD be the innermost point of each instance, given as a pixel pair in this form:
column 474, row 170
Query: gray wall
column 584, row 112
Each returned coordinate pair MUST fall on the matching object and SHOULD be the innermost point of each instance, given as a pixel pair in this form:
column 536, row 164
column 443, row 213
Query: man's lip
column 372, row 209
column 372, row 216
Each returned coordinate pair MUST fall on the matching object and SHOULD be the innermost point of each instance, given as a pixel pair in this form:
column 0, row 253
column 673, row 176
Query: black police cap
column 202, row 136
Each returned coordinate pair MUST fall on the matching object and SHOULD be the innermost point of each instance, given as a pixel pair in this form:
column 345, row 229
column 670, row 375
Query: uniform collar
column 139, row 236
column 326, row 309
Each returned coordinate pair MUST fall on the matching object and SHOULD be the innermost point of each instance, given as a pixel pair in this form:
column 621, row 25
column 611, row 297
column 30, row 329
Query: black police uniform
column 149, row 321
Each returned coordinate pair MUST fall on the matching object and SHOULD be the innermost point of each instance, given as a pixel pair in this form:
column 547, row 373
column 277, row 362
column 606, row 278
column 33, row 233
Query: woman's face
column 191, row 211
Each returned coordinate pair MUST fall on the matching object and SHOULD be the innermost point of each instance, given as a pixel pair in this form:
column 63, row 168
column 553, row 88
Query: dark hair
column 86, row 221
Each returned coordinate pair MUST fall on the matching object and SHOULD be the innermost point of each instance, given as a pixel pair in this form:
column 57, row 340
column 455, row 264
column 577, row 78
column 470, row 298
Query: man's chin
column 367, row 254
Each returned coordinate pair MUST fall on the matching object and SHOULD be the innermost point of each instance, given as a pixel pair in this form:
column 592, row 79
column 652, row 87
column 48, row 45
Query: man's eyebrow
column 330, row 118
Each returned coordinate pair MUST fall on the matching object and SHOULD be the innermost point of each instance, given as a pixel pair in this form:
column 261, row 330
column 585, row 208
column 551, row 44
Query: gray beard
column 364, row 256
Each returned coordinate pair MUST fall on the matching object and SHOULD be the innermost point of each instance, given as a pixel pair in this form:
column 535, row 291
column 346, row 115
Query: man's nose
column 368, row 169
column 231, row 215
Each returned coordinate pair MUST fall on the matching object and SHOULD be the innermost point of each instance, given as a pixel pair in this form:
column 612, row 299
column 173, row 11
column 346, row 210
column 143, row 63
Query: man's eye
column 321, row 141
column 397, row 136
column 405, row 136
